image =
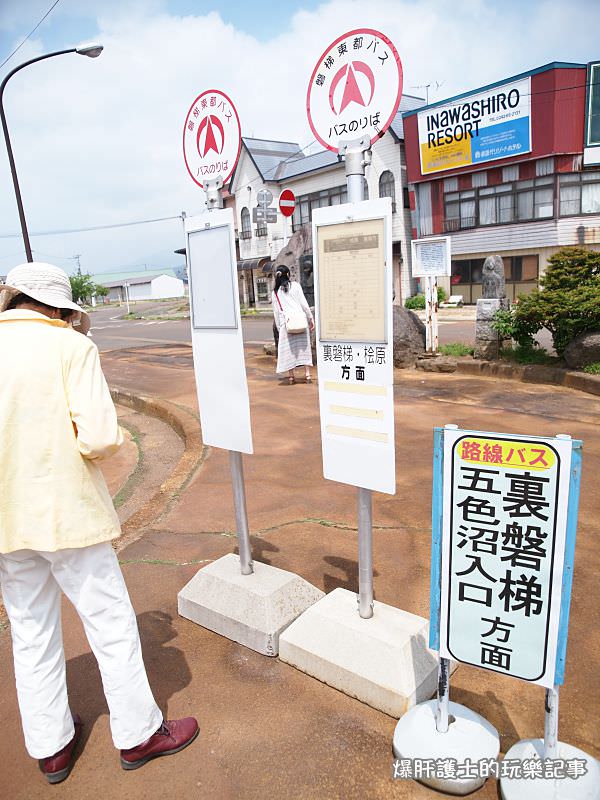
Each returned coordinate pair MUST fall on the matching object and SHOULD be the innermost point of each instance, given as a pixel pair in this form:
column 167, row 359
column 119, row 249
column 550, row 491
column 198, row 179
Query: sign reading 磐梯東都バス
column 353, row 288
column 476, row 128
column 211, row 137
column 505, row 501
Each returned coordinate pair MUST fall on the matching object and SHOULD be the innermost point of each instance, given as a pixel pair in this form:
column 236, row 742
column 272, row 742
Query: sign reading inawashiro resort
column 211, row 137
column 476, row 128
column 503, row 551
column 355, row 88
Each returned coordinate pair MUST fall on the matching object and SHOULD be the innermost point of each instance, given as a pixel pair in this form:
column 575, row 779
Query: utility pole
column 77, row 259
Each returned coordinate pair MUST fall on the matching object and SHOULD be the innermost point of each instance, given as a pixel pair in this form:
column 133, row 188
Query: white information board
column 217, row 343
column 352, row 246
column 431, row 257
column 503, row 544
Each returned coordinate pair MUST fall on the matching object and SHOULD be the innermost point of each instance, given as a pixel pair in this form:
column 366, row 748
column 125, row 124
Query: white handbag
column 295, row 320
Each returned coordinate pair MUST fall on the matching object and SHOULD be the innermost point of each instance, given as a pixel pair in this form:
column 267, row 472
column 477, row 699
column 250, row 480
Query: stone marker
column 409, row 337
column 583, row 350
column 487, row 340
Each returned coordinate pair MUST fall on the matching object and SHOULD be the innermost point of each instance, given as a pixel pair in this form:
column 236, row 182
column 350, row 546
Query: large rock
column 583, row 350
column 409, row 337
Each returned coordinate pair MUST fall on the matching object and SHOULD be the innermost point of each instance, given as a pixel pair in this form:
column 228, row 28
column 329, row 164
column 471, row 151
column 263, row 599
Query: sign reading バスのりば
column 477, row 128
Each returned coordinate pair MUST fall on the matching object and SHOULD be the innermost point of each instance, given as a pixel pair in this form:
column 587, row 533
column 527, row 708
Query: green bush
column 593, row 369
column 568, row 304
column 417, row 301
column 455, row 349
column 527, row 355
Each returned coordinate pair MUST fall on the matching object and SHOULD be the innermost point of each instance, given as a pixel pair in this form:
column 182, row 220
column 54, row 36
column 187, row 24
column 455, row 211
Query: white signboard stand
column 431, row 260
column 503, row 539
column 248, row 602
column 352, row 256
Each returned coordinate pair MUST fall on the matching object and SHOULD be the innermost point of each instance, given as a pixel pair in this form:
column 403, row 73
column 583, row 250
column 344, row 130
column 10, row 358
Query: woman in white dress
column 294, row 348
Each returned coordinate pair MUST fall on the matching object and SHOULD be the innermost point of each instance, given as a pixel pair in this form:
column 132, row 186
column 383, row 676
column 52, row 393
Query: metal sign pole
column 358, row 155
column 214, row 199
column 443, row 696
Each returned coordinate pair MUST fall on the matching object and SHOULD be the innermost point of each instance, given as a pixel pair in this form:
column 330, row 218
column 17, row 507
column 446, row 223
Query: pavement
column 268, row 730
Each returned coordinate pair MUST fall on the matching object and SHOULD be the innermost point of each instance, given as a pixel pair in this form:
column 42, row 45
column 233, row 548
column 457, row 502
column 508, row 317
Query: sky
column 97, row 142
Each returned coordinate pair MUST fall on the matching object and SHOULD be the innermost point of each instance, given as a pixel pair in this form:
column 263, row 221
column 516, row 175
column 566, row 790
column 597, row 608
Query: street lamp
column 90, row 50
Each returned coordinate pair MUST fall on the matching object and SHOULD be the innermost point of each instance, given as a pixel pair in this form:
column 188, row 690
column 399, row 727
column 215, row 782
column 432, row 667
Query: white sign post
column 430, row 260
column 503, row 537
column 353, row 95
column 220, row 595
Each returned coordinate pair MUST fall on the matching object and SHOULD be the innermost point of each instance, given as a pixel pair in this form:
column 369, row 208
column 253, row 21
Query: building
column 511, row 168
column 142, row 285
column 317, row 179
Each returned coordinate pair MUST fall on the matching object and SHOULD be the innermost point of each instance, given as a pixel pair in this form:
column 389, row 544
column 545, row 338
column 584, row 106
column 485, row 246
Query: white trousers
column 92, row 580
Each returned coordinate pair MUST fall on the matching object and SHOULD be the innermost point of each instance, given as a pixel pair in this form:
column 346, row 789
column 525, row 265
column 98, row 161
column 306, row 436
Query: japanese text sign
column 211, row 137
column 431, row 257
column 355, row 88
column 504, row 532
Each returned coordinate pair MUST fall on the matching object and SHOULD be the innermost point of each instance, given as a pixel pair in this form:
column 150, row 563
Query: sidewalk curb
column 187, row 427
column 526, row 373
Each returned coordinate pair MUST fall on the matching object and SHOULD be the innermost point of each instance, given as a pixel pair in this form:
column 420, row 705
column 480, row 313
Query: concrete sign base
column 250, row 609
column 469, row 736
column 383, row 661
column 583, row 787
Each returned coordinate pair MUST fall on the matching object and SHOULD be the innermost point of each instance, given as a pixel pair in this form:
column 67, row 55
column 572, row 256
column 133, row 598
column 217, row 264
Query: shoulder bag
column 295, row 320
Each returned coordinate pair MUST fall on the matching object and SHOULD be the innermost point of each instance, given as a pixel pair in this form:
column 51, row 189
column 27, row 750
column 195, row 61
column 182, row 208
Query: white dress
column 294, row 348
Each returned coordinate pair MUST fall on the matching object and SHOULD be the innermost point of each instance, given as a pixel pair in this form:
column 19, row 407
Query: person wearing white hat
column 57, row 520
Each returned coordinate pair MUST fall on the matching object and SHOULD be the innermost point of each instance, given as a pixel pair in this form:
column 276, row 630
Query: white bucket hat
column 47, row 284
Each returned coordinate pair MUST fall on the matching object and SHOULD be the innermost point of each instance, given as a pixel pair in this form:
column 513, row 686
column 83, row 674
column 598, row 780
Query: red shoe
column 172, row 736
column 56, row 768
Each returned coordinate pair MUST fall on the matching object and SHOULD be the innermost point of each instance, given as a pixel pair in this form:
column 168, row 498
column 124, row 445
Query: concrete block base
column 250, row 609
column 383, row 661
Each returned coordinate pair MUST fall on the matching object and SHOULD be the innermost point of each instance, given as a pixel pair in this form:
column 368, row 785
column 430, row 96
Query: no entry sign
column 287, row 202
column 211, row 137
column 355, row 88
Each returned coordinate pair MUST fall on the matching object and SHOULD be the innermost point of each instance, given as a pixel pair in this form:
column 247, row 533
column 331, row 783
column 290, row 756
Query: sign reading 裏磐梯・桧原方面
column 480, row 127
column 505, row 501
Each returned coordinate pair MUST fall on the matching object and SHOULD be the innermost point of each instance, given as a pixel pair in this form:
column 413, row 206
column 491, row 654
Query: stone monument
column 487, row 340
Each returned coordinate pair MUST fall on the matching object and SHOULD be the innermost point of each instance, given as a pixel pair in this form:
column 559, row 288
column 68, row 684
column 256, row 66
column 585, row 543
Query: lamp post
column 90, row 50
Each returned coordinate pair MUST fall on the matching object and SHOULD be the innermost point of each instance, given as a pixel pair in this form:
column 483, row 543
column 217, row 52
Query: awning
column 255, row 263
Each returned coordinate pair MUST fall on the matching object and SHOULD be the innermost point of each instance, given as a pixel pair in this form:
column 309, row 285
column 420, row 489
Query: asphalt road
column 110, row 332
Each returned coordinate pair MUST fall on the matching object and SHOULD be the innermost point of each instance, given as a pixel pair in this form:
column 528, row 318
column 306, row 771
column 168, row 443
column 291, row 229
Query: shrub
column 568, row 304
column 593, row 369
column 416, row 302
column 455, row 349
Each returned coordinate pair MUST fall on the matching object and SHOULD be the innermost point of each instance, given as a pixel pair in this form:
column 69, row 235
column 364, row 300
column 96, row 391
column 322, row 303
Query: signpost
column 249, row 603
column 504, row 518
column 287, row 205
column 353, row 95
column 430, row 260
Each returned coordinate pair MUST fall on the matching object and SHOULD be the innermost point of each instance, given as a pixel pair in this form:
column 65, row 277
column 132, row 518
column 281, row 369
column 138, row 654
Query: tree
column 84, row 288
column 567, row 304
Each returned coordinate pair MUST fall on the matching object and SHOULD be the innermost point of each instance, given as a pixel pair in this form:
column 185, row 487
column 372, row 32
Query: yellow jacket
column 52, row 492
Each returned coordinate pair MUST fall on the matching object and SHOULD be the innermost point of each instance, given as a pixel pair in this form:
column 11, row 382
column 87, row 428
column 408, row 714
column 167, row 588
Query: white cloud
column 99, row 141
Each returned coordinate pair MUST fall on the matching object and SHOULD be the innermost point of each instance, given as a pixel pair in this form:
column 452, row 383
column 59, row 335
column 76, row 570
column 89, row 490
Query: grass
column 593, row 369
column 525, row 355
column 455, row 349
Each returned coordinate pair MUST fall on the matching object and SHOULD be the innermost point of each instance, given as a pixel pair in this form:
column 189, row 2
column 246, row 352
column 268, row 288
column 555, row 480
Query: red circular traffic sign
column 355, row 88
column 287, row 202
column 211, row 137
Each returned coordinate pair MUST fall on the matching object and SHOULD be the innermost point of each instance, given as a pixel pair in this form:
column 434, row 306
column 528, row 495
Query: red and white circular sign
column 355, row 89
column 211, row 137
column 287, row 202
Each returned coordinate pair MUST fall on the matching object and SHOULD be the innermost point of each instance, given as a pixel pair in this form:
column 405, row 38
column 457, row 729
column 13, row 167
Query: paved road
column 110, row 332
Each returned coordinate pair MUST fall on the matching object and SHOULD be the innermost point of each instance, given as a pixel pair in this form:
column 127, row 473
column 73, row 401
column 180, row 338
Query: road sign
column 287, row 202
column 264, row 215
column 355, row 88
column 211, row 137
column 264, row 198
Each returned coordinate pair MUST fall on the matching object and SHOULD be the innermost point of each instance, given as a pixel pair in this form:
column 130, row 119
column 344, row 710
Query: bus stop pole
column 357, row 155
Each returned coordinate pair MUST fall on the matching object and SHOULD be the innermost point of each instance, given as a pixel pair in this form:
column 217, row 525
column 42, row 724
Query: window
column 479, row 179
column 580, row 193
column 460, row 210
column 261, row 230
column 545, row 166
column 387, row 187
column 306, row 204
column 246, row 226
column 262, row 290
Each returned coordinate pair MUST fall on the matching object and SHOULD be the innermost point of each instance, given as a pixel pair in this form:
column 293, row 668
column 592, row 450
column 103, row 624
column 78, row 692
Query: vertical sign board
column 217, row 332
column 504, row 597
column 353, row 292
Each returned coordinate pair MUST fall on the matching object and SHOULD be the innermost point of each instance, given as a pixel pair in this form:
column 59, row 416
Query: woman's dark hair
column 24, row 299
column 282, row 279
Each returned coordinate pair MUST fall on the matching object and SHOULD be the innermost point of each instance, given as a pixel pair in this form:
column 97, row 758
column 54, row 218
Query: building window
column 262, row 290
column 365, row 188
column 510, row 173
column 246, row 232
column 460, row 210
column 406, row 197
column 479, row 179
column 387, row 187
column 544, row 166
column 306, row 204
column 261, row 230
column 521, row 274
column 580, row 193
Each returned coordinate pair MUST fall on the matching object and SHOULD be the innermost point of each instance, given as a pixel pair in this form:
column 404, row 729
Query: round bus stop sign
column 211, row 137
column 355, row 88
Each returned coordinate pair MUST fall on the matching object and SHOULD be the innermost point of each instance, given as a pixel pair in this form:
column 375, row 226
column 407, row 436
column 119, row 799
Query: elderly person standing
column 289, row 305
column 57, row 420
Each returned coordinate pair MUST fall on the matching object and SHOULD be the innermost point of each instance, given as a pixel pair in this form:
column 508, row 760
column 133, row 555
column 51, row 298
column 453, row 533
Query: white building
column 316, row 180
column 144, row 287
